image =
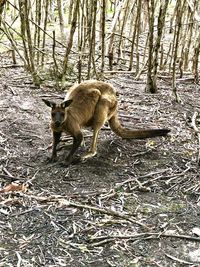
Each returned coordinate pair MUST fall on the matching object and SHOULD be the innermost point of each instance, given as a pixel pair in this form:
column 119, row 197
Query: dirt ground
column 134, row 204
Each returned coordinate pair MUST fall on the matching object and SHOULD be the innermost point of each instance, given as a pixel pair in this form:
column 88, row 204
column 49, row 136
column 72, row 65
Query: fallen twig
column 178, row 260
column 141, row 177
column 100, row 240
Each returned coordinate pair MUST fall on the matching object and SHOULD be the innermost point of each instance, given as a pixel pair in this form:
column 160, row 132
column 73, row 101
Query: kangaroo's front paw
column 64, row 164
column 76, row 160
column 51, row 159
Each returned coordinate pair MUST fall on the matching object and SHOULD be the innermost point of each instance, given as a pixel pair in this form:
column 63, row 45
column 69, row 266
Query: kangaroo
column 90, row 104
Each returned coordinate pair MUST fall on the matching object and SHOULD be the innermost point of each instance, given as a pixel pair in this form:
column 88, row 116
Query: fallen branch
column 148, row 234
column 107, row 212
column 100, row 240
column 62, row 201
column 11, row 66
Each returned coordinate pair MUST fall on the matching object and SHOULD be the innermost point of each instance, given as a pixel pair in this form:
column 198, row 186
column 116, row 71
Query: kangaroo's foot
column 88, row 155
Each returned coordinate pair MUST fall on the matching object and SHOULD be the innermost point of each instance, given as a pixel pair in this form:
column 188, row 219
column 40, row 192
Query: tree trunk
column 92, row 40
column 150, row 85
column 61, row 19
column 112, row 33
column 134, row 34
column 23, row 33
column 2, row 4
column 161, row 23
column 196, row 59
column 70, row 41
column 176, row 46
column 45, row 27
column 103, row 20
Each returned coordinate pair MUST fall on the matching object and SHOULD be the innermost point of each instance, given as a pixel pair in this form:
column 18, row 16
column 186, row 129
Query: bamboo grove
column 83, row 39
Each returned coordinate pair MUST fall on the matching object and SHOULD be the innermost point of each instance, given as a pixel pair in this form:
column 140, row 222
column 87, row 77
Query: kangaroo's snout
column 57, row 123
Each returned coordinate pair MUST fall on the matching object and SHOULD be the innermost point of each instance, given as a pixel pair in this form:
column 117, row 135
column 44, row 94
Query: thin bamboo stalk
column 45, row 27
column 103, row 20
column 92, row 40
column 70, row 40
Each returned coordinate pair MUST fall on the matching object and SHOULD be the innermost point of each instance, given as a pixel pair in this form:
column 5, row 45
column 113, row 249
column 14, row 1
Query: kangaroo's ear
column 66, row 103
column 50, row 104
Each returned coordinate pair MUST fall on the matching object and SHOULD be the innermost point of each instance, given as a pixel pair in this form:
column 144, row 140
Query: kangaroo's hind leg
column 100, row 117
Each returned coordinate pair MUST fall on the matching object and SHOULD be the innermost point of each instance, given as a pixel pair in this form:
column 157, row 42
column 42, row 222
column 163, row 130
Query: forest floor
column 134, row 204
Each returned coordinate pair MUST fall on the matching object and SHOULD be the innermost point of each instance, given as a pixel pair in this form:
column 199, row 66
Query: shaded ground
column 135, row 204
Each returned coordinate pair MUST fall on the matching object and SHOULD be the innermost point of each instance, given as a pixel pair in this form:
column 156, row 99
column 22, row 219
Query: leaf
column 14, row 187
column 83, row 248
column 151, row 143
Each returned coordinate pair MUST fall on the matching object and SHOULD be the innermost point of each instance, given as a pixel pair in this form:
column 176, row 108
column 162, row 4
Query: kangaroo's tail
column 117, row 128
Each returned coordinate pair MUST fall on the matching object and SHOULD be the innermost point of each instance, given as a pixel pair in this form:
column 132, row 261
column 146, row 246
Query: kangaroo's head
column 57, row 112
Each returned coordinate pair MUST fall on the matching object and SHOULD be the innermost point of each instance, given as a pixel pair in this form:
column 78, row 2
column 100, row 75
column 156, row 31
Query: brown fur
column 90, row 104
